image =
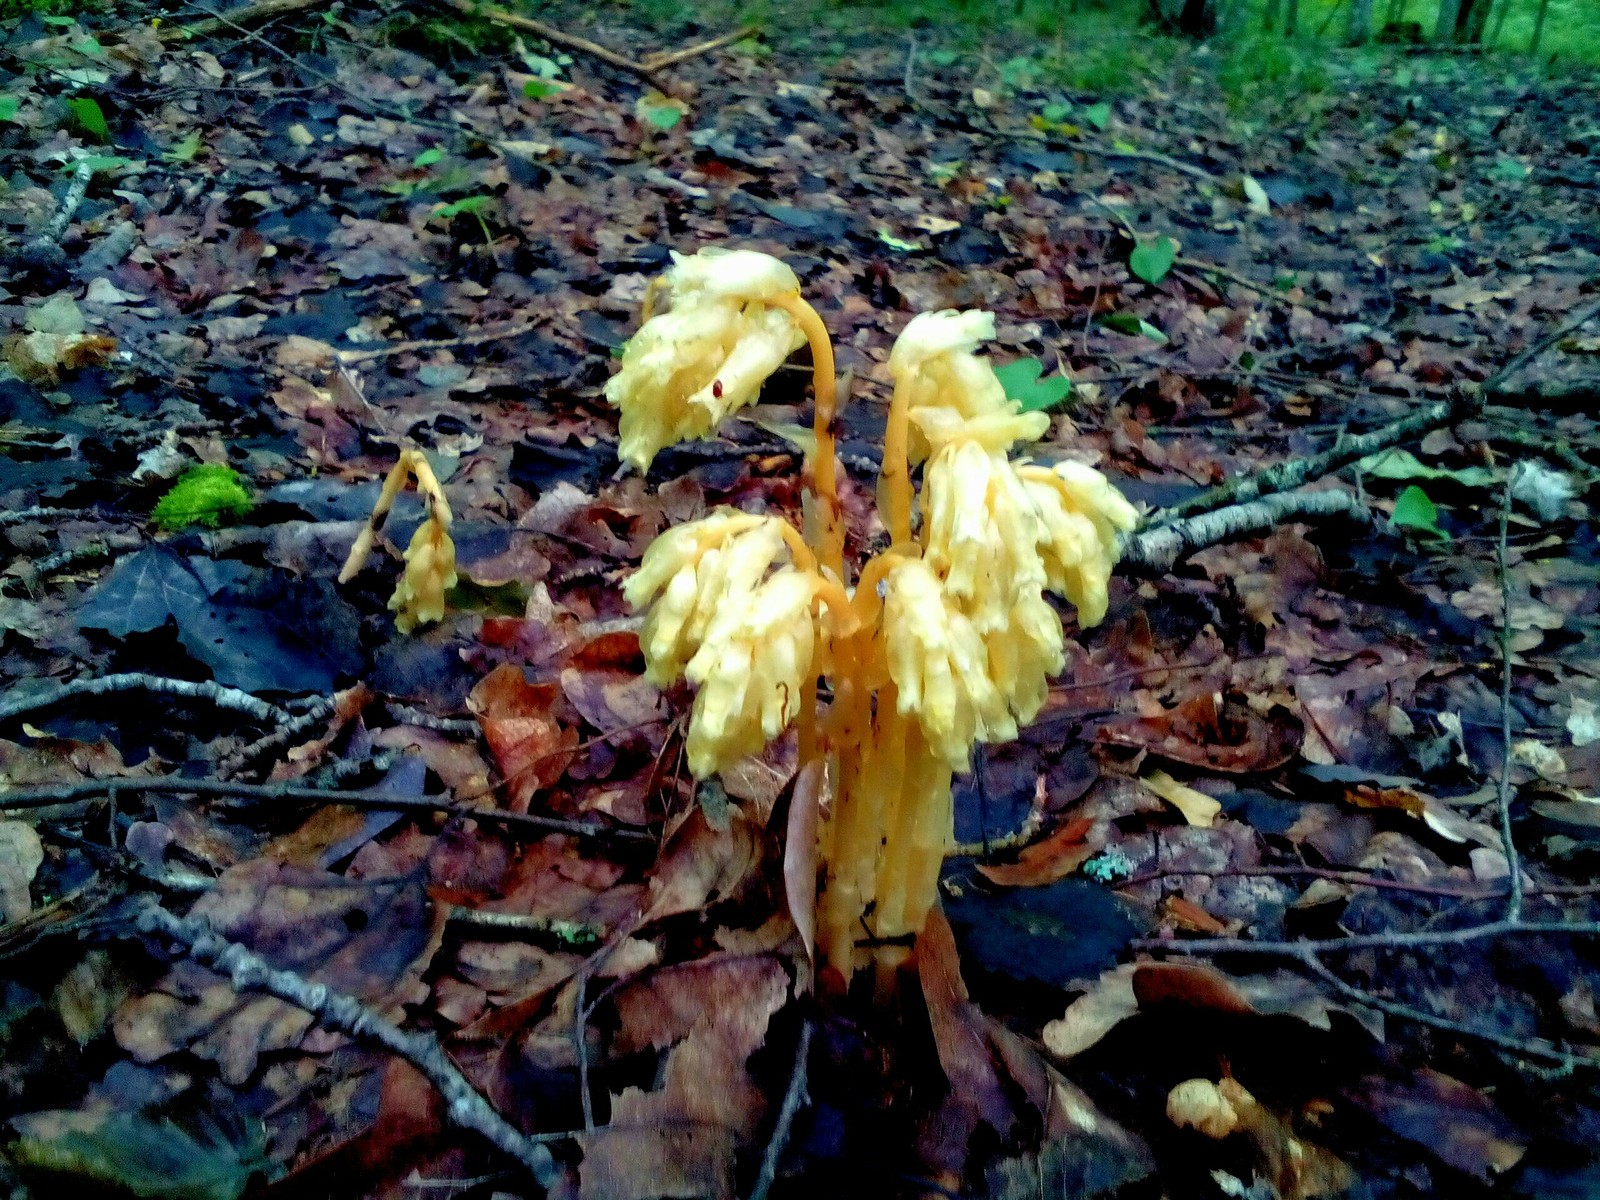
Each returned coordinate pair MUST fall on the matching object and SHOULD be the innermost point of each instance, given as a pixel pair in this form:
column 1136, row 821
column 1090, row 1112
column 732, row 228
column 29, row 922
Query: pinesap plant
column 942, row 641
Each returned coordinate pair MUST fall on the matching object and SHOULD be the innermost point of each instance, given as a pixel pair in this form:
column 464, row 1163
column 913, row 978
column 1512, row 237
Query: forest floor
column 1257, row 838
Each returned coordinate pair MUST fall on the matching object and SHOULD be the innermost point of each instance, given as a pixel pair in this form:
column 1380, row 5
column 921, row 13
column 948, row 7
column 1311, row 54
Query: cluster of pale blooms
column 966, row 634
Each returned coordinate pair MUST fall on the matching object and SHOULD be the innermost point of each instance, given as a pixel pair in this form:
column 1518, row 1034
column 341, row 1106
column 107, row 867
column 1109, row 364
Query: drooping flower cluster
column 689, row 368
column 430, row 573
column 725, row 619
column 995, row 535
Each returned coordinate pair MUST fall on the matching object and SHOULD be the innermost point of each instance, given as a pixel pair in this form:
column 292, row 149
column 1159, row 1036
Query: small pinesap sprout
column 430, row 559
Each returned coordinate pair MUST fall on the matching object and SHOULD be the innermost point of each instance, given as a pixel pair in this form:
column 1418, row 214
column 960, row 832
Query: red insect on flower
column 716, row 388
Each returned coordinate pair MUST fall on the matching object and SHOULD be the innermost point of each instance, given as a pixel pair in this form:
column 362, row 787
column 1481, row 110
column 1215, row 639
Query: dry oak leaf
column 682, row 1139
column 21, row 855
column 1296, row 1168
column 368, row 939
column 1197, row 807
column 1047, row 860
column 531, row 747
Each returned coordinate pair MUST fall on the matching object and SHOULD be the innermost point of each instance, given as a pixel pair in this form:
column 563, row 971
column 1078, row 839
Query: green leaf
column 428, row 157
column 1022, row 382
column 1413, row 510
column 943, row 58
column 894, row 243
column 1396, row 463
column 8, row 108
column 86, row 115
column 1152, row 258
column 1098, row 115
column 1055, row 112
column 101, row 164
column 540, row 89
column 472, row 206
column 58, row 22
column 1134, row 327
column 664, row 117
column 1508, row 170
column 203, row 496
column 185, row 150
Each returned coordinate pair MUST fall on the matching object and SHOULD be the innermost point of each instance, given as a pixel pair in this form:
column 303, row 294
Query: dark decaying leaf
column 1054, row 934
column 368, row 938
column 256, row 630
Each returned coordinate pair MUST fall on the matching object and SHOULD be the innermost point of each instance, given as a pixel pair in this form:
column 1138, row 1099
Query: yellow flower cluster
column 723, row 618
column 971, row 639
column 688, row 368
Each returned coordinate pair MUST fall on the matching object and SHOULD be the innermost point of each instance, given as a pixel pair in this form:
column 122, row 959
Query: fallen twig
column 793, row 1097
column 1419, row 940
column 246, row 971
column 214, row 693
column 245, row 14
column 1162, row 545
column 574, row 934
column 661, row 60
column 1296, row 472
column 1503, row 787
column 1520, row 1046
column 557, row 37
column 1203, row 267
column 350, row 357
column 285, row 733
column 86, row 789
column 103, row 547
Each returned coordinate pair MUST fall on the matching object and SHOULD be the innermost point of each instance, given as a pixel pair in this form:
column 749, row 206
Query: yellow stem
column 895, row 476
column 411, row 463
column 647, row 307
column 824, row 466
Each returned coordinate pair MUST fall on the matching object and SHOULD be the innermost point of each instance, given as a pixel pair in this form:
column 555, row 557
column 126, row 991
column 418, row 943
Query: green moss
column 203, row 496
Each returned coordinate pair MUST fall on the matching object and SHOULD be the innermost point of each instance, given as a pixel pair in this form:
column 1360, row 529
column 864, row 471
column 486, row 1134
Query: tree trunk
column 1359, row 27
column 1291, row 18
column 1470, row 20
column 1269, row 20
column 1538, row 27
column 1444, row 28
column 1499, row 22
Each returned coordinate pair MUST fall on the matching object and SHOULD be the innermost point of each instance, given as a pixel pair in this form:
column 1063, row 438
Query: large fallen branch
column 249, row 972
column 1159, row 548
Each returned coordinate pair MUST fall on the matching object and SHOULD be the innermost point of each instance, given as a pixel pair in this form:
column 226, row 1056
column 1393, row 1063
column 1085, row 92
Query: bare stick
column 1208, row 268
column 1526, row 1048
column 1422, row 939
column 1159, row 547
column 214, row 693
column 793, row 1097
column 249, row 972
column 1503, row 791
column 282, row 735
column 27, row 798
column 671, row 58
column 245, row 14
column 1570, row 325
column 350, row 357
column 558, row 38
column 1288, row 475
column 69, row 203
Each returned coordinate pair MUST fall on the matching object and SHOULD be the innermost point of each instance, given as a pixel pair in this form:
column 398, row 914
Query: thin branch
column 26, row 798
column 557, row 37
column 1570, row 325
column 1519, row 1046
column 1203, row 267
column 793, row 1097
column 245, row 14
column 671, row 58
column 1332, row 874
column 285, row 733
column 1159, row 546
column 1295, row 472
column 214, row 693
column 1503, row 790
column 351, row 357
column 1424, row 939
column 246, row 971
column 574, row 934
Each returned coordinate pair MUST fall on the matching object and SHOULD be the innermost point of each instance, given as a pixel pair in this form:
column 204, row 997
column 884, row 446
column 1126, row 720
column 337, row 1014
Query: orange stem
column 824, row 466
column 895, row 476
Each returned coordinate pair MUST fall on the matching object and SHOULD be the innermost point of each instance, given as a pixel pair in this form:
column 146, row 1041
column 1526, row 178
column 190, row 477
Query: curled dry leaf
column 1067, row 848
